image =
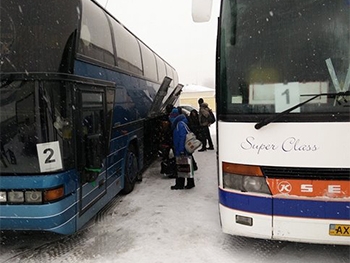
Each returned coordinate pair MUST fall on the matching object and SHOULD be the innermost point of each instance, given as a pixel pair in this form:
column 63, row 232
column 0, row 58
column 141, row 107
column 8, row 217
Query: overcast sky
column 166, row 26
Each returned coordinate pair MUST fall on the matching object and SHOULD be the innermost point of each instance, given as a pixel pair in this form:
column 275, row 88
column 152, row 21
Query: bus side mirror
column 201, row 10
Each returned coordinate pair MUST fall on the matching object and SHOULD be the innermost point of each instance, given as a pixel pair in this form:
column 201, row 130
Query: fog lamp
column 244, row 220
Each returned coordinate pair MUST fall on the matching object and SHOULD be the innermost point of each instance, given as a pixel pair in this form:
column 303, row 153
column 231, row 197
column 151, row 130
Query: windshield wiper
column 277, row 116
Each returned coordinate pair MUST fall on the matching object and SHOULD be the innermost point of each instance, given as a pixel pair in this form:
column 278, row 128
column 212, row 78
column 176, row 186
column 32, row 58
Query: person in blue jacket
column 178, row 126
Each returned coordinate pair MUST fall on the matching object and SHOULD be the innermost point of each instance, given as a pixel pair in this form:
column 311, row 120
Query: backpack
column 211, row 117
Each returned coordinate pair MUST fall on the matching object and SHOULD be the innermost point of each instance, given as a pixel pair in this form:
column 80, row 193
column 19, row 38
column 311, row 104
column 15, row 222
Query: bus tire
column 131, row 171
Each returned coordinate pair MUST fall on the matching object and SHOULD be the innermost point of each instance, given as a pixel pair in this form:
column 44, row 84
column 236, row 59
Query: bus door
column 93, row 125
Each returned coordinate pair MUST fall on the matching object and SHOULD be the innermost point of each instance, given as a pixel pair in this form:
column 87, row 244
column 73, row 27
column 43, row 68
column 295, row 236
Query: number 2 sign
column 49, row 155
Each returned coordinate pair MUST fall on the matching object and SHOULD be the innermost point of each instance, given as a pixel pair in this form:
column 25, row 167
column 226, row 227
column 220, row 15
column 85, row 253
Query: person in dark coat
column 178, row 126
column 193, row 124
column 204, row 112
column 168, row 163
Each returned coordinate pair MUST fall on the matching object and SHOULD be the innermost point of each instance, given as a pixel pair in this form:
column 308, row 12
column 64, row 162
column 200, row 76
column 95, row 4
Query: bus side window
column 128, row 49
column 170, row 74
column 149, row 63
column 95, row 36
column 161, row 68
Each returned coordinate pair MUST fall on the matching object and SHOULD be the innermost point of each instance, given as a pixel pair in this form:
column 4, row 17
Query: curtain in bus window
column 149, row 63
column 95, row 34
column 161, row 68
column 128, row 50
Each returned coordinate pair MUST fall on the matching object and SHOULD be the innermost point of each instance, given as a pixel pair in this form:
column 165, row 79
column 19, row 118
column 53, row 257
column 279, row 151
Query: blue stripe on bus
column 67, row 178
column 248, row 203
column 312, row 208
column 59, row 216
column 286, row 207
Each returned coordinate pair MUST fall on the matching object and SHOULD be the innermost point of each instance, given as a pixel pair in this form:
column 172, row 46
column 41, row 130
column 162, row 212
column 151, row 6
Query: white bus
column 283, row 110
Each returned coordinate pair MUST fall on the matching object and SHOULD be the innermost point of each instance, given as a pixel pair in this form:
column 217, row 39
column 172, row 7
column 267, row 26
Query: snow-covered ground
column 154, row 224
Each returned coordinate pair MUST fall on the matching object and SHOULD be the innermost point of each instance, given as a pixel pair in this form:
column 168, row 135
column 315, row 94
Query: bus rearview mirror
column 201, row 10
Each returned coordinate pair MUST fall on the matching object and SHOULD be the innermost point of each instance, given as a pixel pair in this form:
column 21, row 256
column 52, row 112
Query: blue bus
column 80, row 98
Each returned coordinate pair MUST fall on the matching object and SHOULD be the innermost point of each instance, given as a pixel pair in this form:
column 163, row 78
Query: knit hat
column 173, row 114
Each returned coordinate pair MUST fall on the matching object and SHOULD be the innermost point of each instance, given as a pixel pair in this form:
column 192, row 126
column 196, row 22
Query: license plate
column 339, row 230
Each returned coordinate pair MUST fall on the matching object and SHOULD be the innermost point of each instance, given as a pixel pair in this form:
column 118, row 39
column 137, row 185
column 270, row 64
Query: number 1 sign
column 286, row 96
column 49, row 155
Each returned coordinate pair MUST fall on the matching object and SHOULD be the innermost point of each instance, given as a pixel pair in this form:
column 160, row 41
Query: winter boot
column 190, row 183
column 195, row 166
column 179, row 184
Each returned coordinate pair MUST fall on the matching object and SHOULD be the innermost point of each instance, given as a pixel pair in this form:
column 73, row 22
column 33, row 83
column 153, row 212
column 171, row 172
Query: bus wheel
column 131, row 171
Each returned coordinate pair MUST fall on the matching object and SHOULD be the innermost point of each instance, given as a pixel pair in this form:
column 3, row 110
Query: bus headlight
column 245, row 178
column 16, row 197
column 33, row 196
column 255, row 184
column 3, row 197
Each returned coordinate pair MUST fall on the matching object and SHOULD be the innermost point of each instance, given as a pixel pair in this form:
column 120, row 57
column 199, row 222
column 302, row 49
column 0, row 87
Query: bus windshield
column 286, row 55
column 32, row 113
column 48, row 35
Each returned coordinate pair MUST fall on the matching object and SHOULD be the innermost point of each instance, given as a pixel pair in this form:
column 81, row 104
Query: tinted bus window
column 176, row 78
column 161, row 68
column 95, row 35
column 128, row 50
column 149, row 62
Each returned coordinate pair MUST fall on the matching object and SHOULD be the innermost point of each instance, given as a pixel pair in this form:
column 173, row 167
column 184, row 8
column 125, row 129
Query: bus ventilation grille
column 307, row 173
